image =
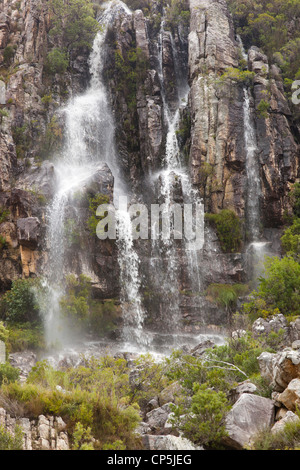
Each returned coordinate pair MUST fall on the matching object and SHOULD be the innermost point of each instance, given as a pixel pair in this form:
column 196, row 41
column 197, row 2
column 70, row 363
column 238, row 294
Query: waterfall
column 165, row 254
column 257, row 248
column 252, row 170
column 89, row 141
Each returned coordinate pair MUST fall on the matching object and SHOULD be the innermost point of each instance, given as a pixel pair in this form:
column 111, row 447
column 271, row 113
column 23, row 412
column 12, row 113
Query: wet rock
column 28, row 232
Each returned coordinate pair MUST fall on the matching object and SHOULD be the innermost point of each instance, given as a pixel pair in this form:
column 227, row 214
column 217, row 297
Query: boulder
column 170, row 394
column 249, row 415
column 265, row 326
column 280, row 368
column 157, row 418
column 243, row 387
column 28, row 232
column 289, row 417
column 168, row 443
column 290, row 397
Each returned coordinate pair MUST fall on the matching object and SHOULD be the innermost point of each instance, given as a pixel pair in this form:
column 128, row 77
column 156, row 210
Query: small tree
column 204, row 423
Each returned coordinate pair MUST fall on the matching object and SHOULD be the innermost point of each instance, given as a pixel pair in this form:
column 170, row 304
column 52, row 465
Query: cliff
column 149, row 64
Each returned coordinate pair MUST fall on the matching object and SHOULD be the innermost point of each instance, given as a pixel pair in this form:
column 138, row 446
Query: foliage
column 52, row 139
column 291, row 239
column 262, row 108
column 204, row 422
column 280, row 288
column 72, row 23
column 4, row 333
column 295, row 199
column 84, row 312
column 237, row 75
column 93, row 399
column 228, row 228
column 226, row 295
column 56, row 62
column 94, row 203
column 75, row 303
column 8, row 373
column 4, row 214
column 20, row 303
column 10, row 441
column 24, row 336
column 149, row 379
column 286, row 439
column 177, row 11
column 272, row 26
column 21, row 138
column 8, row 54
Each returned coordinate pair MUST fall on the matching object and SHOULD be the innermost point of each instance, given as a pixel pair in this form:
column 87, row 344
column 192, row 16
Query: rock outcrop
column 46, row 433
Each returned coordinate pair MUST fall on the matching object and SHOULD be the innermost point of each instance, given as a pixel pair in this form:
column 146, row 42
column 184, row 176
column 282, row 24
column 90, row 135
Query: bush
column 56, row 62
column 8, row 373
column 237, row 75
column 20, row 303
column 226, row 295
column 204, row 423
column 295, row 199
column 291, row 239
column 94, row 203
column 280, row 288
column 10, row 441
column 94, row 401
column 72, row 23
column 228, row 228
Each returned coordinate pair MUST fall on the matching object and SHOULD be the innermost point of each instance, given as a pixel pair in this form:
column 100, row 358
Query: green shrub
column 262, row 109
column 94, row 203
column 226, row 295
column 56, row 62
column 94, row 401
column 20, row 303
column 295, row 199
column 10, row 441
column 237, row 75
column 8, row 373
column 228, row 228
column 8, row 54
column 24, row 336
column 204, row 422
column 72, row 23
column 291, row 239
column 286, row 439
column 280, row 288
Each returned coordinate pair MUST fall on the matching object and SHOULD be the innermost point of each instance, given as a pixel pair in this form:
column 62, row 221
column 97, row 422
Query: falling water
column 89, row 141
column 173, row 173
column 257, row 248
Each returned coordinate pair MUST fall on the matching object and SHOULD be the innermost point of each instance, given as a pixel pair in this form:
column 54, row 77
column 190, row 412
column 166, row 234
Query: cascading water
column 89, row 141
column 257, row 248
column 168, row 264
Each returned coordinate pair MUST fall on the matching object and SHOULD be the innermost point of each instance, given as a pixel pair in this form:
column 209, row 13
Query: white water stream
column 89, row 141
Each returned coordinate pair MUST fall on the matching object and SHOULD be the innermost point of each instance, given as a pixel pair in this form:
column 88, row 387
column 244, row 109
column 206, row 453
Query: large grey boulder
column 249, row 415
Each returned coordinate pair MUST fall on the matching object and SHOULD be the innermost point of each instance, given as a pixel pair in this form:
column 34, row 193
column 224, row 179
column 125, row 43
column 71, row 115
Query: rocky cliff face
column 211, row 134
